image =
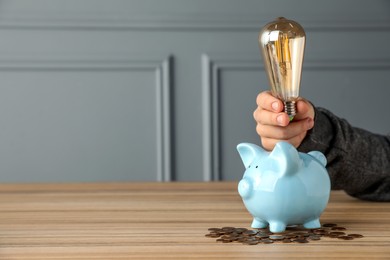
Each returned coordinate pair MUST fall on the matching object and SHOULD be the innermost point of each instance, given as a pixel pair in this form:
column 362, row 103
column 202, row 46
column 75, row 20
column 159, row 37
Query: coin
column 289, row 236
column 228, row 228
column 314, row 237
column 260, row 236
column 240, row 230
column 248, row 240
column 319, row 231
column 336, row 233
column 338, row 228
column 212, row 235
column 355, row 235
column 251, row 243
column 301, row 240
column 345, row 237
column 241, row 239
column 249, row 233
column 276, row 237
column 301, row 234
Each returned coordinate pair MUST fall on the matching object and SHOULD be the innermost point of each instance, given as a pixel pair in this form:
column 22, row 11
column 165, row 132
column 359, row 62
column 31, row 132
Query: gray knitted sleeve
column 358, row 161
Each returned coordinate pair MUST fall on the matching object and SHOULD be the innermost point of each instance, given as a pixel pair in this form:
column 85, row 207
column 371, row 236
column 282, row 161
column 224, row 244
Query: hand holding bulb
column 273, row 125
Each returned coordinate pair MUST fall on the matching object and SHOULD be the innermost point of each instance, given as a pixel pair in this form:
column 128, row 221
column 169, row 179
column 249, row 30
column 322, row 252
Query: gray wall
column 164, row 89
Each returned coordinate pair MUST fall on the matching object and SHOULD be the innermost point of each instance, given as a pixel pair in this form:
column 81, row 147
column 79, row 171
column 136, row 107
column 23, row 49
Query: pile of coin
column 293, row 234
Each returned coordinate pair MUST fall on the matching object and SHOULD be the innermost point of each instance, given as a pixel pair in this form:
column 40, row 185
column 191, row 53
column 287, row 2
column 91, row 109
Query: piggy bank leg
column 315, row 223
column 277, row 227
column 259, row 223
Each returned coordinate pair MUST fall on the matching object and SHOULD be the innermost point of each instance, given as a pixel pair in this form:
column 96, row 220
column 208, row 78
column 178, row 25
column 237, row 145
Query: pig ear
column 319, row 156
column 248, row 152
column 286, row 158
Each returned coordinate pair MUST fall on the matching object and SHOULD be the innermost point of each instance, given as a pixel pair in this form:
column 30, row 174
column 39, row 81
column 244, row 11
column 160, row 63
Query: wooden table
column 164, row 221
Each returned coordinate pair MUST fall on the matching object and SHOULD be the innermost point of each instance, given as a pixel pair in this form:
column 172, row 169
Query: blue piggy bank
column 283, row 187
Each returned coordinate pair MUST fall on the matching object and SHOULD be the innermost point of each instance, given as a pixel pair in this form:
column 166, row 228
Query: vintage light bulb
column 282, row 44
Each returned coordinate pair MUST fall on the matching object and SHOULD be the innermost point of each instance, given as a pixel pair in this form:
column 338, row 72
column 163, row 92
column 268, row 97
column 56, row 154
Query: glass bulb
column 282, row 44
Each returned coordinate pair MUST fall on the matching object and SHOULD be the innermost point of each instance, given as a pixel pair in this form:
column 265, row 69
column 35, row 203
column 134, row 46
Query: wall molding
column 164, row 88
column 213, row 65
column 160, row 67
column 211, row 69
column 178, row 21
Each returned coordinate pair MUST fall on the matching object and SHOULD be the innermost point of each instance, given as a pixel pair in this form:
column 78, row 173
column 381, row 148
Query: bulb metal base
column 290, row 108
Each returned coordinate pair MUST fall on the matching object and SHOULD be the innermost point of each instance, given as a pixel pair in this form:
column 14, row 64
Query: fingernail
column 280, row 120
column 275, row 105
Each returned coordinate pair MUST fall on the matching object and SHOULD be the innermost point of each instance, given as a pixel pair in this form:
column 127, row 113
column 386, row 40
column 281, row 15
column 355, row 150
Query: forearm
column 358, row 161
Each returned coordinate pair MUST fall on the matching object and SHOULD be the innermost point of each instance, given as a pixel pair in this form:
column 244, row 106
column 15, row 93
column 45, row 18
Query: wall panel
column 70, row 119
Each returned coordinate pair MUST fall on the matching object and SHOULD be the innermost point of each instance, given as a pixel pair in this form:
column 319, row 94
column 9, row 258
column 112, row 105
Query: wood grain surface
column 164, row 221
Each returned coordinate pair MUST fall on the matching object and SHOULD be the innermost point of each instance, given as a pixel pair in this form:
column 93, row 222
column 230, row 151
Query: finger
column 304, row 110
column 268, row 144
column 267, row 101
column 266, row 117
column 284, row 133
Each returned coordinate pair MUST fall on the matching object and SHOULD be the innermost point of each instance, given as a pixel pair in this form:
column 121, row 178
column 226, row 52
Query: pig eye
column 257, row 166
